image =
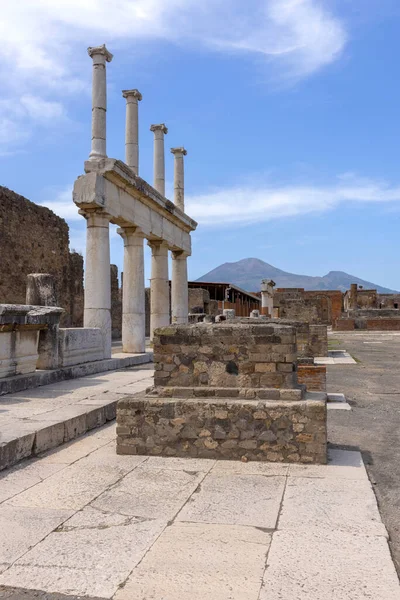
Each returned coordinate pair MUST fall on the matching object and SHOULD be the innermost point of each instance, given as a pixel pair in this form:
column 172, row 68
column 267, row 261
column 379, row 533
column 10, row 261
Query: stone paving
column 335, row 357
column 82, row 521
column 36, row 420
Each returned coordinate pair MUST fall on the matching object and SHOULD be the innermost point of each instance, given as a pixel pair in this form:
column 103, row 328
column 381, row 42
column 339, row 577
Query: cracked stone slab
column 150, row 493
column 323, row 564
column 236, row 499
column 17, row 479
column 23, row 528
column 251, row 468
column 76, row 485
column 75, row 559
column 181, row 464
column 332, row 504
column 200, row 562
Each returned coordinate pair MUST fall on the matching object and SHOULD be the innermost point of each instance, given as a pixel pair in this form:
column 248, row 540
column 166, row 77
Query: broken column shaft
column 179, row 178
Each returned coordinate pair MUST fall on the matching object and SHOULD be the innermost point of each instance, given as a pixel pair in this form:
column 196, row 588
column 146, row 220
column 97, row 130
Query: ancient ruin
column 112, row 192
column 226, row 390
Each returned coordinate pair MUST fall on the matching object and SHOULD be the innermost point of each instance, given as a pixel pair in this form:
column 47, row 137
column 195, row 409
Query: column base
column 100, row 318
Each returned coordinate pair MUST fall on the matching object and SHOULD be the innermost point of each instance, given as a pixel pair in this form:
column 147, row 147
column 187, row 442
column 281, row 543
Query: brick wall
column 313, row 376
column 344, row 325
column 383, row 324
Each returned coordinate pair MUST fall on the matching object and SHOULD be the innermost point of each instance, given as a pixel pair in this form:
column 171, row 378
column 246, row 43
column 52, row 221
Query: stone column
column 159, row 159
column 179, row 179
column 159, row 286
column 267, row 297
column 133, row 98
column 100, row 56
column 133, row 309
column 97, row 312
column 179, row 288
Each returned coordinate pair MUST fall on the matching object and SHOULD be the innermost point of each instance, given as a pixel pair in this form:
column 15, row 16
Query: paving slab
column 323, row 564
column 33, row 421
column 150, row 492
column 200, row 562
column 236, row 499
column 342, row 464
column 20, row 478
column 75, row 559
column 75, row 486
column 330, row 503
column 21, row 528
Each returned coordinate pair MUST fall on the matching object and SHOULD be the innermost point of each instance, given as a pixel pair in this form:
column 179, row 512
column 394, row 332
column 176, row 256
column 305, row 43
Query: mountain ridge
column 247, row 273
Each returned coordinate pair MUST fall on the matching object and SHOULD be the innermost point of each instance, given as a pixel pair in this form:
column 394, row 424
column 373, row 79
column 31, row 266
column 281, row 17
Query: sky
column 289, row 111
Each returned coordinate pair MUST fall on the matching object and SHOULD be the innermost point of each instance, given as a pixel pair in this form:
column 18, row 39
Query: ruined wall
column 250, row 356
column 34, row 240
column 388, row 300
column 319, row 306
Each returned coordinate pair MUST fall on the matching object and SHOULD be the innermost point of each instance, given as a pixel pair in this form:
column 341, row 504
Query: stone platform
column 227, row 390
column 223, row 428
column 35, row 420
column 119, row 360
column 87, row 523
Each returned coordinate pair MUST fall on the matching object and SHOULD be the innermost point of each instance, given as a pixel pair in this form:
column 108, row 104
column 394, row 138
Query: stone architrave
column 97, row 311
column 159, row 157
column 100, row 55
column 133, row 295
column 133, row 97
column 159, row 286
column 179, row 288
column 179, row 177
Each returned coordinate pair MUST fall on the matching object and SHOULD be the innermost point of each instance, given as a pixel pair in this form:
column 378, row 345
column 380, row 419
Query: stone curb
column 12, row 385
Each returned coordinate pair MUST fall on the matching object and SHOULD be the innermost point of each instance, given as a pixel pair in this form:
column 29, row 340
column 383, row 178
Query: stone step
column 120, row 360
column 40, row 419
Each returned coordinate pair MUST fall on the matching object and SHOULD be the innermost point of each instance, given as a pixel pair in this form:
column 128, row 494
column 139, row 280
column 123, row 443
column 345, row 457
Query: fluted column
column 133, row 307
column 97, row 311
column 179, row 178
column 159, row 286
column 179, row 288
column 133, row 98
column 100, row 55
column 159, row 158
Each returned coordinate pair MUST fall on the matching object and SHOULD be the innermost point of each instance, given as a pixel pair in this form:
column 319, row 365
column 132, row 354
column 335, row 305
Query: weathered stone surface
column 249, row 499
column 259, row 430
column 201, row 562
column 230, row 355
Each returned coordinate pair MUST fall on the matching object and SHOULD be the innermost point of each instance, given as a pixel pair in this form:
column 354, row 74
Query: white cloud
column 42, row 50
column 245, row 205
column 63, row 205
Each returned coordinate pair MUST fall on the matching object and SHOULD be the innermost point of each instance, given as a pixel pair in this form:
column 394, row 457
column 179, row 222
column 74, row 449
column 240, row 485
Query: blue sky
column 289, row 110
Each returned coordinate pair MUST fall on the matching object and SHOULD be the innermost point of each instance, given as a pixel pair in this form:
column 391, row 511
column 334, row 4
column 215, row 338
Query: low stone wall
column 312, row 376
column 318, row 340
column 79, row 345
column 344, row 325
column 225, row 355
column 223, row 429
column 383, row 324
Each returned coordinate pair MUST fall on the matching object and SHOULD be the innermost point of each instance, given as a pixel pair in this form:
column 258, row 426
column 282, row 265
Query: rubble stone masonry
column 34, row 240
column 226, row 390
